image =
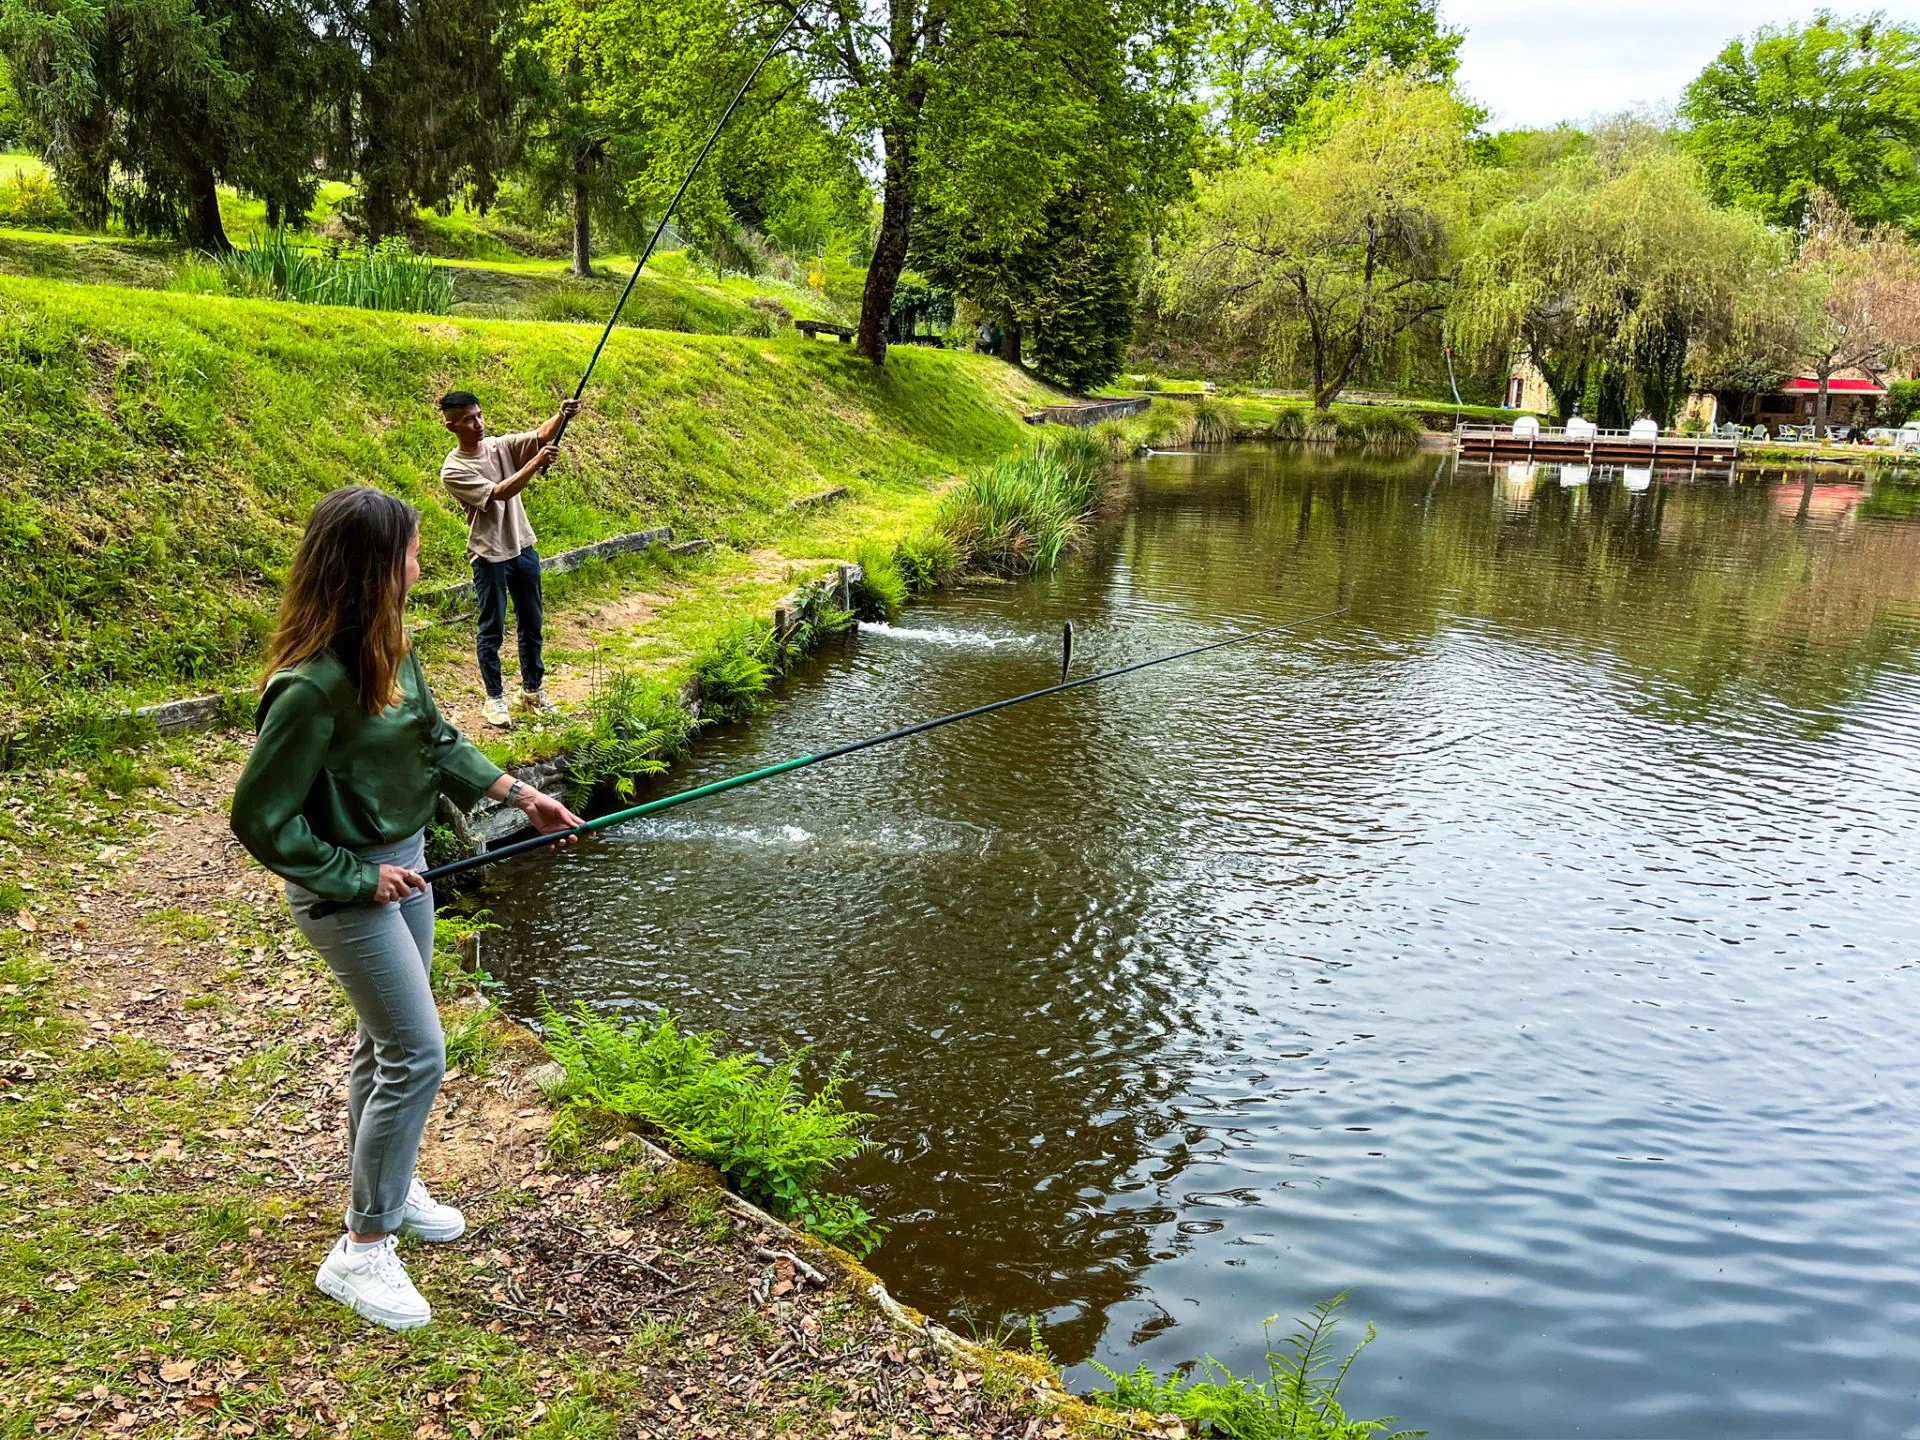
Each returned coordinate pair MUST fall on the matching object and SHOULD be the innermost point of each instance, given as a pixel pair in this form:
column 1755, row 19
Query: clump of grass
column 928, row 559
column 635, row 726
column 1021, row 514
column 571, row 302
column 881, row 591
column 1167, row 426
column 470, row 1040
column 750, row 1119
column 1212, row 421
column 386, row 276
column 1290, row 423
column 197, row 275
column 1299, row 1400
column 1115, row 438
column 1379, row 426
column 1323, row 428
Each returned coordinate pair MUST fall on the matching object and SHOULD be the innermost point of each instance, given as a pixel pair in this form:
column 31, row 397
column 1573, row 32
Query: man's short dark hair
column 457, row 400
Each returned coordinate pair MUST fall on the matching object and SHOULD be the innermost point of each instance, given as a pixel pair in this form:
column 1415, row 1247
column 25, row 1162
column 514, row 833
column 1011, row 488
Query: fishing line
column 678, row 195
column 652, row 807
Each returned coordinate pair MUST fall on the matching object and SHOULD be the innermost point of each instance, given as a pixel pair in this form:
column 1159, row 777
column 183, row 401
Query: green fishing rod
column 667, row 215
column 734, row 782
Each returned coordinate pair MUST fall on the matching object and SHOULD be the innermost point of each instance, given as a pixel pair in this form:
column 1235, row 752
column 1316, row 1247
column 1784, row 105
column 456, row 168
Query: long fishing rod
column 652, row 807
column 667, row 215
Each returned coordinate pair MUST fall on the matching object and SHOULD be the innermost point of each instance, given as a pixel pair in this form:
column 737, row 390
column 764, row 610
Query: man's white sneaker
column 373, row 1284
column 494, row 711
column 537, row 701
column 425, row 1218
column 428, row 1219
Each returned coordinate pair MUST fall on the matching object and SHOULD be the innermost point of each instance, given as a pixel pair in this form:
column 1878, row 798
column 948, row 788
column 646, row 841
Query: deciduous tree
column 1270, row 60
column 1613, row 277
column 1325, row 254
column 1861, row 290
column 1833, row 105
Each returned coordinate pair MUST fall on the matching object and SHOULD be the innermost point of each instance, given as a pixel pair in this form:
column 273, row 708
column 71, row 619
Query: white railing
column 1559, row 434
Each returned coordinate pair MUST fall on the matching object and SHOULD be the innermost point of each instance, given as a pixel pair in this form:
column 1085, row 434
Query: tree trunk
column 1820, row 409
column 890, row 248
column 582, row 227
column 204, row 229
column 1010, row 342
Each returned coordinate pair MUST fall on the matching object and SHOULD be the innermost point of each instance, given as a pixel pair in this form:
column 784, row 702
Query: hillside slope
column 165, row 449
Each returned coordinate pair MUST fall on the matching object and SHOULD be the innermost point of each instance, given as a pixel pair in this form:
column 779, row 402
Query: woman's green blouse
column 327, row 779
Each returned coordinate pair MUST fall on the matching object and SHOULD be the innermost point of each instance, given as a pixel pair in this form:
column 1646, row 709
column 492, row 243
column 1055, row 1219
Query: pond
column 1529, row 952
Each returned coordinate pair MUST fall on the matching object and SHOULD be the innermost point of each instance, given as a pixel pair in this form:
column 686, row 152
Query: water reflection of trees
column 1705, row 593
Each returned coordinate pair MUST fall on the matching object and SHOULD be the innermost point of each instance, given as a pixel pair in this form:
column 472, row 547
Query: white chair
column 1646, row 428
column 1581, row 429
column 1527, row 427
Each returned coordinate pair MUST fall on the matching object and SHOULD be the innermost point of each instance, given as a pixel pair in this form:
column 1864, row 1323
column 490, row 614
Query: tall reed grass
column 1021, row 514
column 1374, row 426
column 386, row 276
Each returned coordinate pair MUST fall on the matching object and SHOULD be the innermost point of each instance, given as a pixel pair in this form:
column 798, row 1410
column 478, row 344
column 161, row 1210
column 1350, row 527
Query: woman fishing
column 335, row 799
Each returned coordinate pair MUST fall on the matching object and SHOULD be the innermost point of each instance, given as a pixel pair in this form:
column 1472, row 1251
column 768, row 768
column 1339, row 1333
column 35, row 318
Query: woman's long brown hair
column 348, row 580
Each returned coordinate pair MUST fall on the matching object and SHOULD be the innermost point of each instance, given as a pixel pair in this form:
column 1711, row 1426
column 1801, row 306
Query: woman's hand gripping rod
column 537, row 842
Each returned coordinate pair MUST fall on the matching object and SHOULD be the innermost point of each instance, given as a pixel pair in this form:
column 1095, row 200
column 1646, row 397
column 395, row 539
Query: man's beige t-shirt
column 496, row 529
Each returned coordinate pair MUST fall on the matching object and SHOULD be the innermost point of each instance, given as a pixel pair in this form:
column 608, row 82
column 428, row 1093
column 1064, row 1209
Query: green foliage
column 1613, row 278
column 147, row 105
column 1021, row 514
column 31, row 201
column 881, row 591
column 1373, row 426
column 748, row 1118
column 635, row 725
column 1321, row 257
column 1831, row 105
column 470, row 1040
column 1212, row 421
column 736, row 672
column 1902, row 402
column 383, row 276
column 571, row 302
column 1271, row 61
column 928, row 559
column 1298, row 1400
column 165, row 451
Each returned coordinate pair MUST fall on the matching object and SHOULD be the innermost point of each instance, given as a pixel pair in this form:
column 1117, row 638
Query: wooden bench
column 813, row 329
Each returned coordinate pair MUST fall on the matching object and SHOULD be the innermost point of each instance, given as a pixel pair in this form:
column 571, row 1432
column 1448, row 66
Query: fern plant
column 1299, row 1400
column 750, row 1119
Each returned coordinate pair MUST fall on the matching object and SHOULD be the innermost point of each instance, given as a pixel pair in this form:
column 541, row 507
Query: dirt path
column 172, row 1061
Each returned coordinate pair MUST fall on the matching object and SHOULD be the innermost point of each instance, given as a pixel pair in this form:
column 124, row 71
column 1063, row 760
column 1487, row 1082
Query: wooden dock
column 1602, row 447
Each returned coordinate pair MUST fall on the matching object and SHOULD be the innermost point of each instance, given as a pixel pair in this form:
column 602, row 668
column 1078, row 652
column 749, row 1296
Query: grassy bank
column 167, row 448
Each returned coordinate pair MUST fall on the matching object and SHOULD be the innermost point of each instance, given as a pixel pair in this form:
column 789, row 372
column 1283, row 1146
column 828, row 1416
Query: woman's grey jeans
column 383, row 956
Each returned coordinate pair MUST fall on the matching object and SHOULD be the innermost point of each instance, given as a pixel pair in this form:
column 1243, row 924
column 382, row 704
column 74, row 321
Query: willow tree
column 1613, row 278
column 1861, row 297
column 1323, row 255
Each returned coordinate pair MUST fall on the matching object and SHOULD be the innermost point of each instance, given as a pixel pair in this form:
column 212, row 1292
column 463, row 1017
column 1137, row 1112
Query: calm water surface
column 1529, row 952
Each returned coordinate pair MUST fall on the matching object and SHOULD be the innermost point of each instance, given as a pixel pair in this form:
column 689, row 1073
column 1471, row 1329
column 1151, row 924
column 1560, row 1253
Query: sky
column 1536, row 62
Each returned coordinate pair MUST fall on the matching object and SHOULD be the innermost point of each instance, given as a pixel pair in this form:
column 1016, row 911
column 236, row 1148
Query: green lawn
column 165, row 448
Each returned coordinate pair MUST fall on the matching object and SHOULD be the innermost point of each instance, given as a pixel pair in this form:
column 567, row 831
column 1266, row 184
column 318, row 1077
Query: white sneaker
column 373, row 1284
column 537, row 701
column 494, row 711
column 425, row 1218
column 428, row 1219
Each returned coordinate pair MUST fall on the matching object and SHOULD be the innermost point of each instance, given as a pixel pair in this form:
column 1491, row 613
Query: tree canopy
column 1833, row 105
column 1270, row 61
column 1611, row 277
column 1327, row 252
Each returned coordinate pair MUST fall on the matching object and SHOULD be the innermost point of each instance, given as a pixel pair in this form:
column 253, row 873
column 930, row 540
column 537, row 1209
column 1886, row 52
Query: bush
column 1902, row 402
column 749, row 1119
column 1291, row 423
column 881, row 591
column 1376, row 425
column 33, row 202
column 1299, row 1400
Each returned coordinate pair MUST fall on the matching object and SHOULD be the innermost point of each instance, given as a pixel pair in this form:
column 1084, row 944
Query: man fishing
column 486, row 474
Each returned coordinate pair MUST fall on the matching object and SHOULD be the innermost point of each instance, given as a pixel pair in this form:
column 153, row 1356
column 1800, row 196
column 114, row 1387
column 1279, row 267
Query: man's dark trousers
column 494, row 581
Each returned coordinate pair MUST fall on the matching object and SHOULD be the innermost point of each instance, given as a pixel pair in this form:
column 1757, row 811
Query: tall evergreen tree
column 148, row 106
